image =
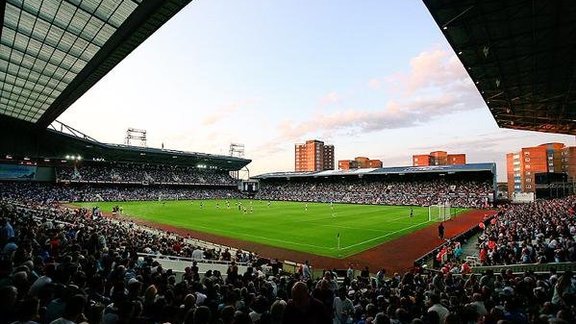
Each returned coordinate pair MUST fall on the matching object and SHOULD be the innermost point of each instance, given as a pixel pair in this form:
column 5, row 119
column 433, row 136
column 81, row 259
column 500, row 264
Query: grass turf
column 312, row 228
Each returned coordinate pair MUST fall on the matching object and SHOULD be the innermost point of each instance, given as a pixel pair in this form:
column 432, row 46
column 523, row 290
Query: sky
column 374, row 78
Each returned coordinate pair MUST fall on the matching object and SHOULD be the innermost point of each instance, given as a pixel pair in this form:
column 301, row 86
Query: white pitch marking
column 382, row 236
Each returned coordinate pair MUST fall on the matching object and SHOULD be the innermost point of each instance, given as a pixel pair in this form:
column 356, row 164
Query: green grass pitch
column 312, row 228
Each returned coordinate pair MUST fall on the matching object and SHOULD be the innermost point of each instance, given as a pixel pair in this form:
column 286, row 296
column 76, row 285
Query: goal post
column 439, row 213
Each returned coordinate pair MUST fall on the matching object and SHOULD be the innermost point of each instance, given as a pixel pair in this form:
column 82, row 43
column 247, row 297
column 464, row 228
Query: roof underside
column 521, row 55
column 52, row 52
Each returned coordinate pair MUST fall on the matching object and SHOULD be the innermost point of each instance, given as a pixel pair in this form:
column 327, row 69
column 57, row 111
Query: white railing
column 179, row 264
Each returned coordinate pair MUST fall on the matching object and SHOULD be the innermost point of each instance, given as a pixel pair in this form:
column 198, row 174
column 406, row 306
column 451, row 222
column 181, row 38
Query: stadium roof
column 64, row 144
column 439, row 169
column 520, row 54
column 54, row 144
column 52, row 52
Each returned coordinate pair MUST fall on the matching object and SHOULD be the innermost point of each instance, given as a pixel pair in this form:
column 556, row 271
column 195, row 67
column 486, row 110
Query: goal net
column 439, row 213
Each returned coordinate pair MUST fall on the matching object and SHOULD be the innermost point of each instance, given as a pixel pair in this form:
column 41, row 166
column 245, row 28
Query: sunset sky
column 374, row 78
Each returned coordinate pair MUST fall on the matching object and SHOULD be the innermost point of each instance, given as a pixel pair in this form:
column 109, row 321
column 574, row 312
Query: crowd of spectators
column 51, row 253
column 539, row 232
column 142, row 173
column 458, row 193
column 49, row 192
column 61, row 265
column 87, row 270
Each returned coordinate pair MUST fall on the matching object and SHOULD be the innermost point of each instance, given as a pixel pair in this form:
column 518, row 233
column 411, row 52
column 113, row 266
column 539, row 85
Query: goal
column 439, row 213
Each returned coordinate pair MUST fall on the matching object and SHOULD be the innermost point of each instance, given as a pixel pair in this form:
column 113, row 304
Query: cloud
column 394, row 115
column 374, row 84
column 438, row 67
column 435, row 85
column 494, row 143
column 224, row 111
column 330, row 98
column 498, row 139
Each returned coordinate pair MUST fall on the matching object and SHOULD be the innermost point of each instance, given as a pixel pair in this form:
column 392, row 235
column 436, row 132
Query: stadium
column 108, row 233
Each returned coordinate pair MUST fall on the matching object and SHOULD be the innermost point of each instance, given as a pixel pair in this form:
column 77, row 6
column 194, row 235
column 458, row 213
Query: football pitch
column 337, row 230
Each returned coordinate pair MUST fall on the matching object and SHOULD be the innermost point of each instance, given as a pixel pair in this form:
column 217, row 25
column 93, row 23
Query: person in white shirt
column 197, row 254
column 435, row 306
column 350, row 273
column 306, row 271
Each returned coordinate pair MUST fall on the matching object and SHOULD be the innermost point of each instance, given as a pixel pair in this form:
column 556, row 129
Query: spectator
column 438, row 308
column 61, row 270
column 303, row 308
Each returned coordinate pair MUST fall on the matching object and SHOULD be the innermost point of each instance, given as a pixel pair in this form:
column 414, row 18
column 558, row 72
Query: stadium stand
column 60, row 266
column 422, row 186
column 538, row 237
column 142, row 173
column 540, row 232
column 47, row 192
column 126, row 272
column 54, row 257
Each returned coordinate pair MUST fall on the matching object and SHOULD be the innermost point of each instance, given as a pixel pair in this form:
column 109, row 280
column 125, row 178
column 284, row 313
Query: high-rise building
column 359, row 163
column 521, row 167
column 313, row 155
column 328, row 157
column 438, row 158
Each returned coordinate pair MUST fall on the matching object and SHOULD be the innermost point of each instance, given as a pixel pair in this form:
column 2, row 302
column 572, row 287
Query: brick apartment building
column 313, row 155
column 359, row 162
column 522, row 166
column 438, row 158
